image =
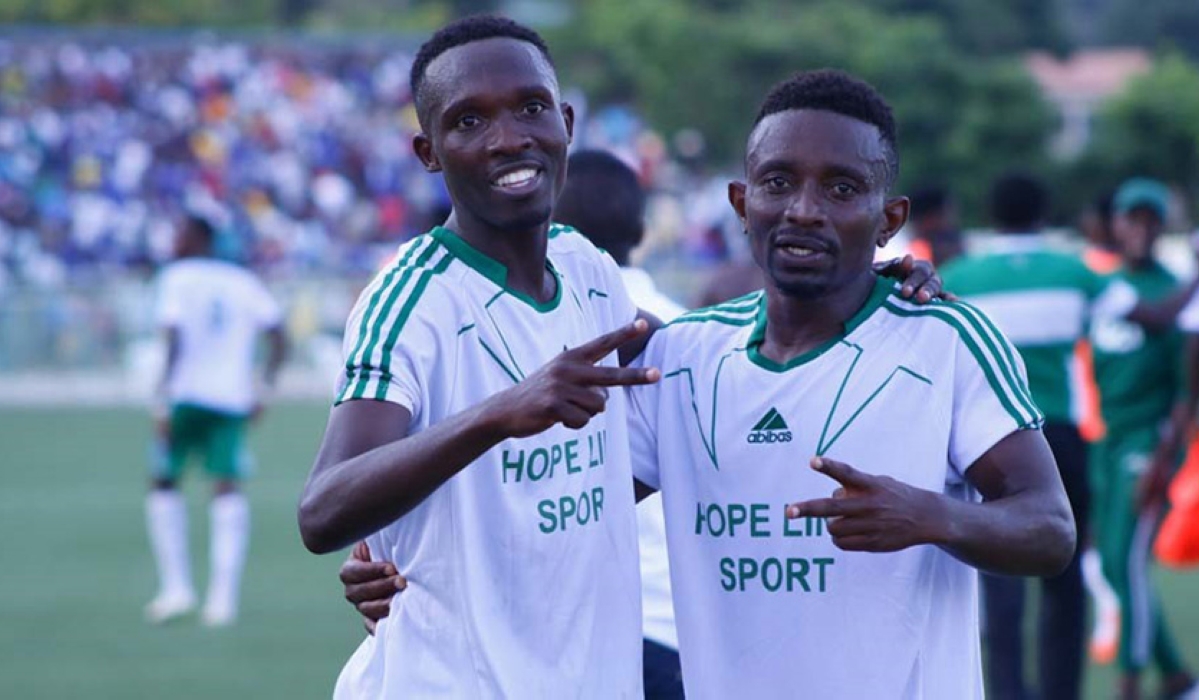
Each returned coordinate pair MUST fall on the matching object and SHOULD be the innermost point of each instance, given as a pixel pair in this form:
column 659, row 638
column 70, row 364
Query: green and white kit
column 1045, row 301
column 218, row 310
column 522, row 568
column 767, row 605
column 1139, row 375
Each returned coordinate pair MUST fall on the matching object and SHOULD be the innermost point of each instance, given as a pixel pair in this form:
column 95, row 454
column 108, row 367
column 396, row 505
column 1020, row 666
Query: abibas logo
column 772, row 428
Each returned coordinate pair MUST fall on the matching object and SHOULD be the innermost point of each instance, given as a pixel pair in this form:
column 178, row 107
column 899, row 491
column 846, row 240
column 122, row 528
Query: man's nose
column 509, row 135
column 806, row 207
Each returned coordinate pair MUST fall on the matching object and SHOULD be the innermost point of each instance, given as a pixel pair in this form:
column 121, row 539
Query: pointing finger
column 823, row 508
column 621, row 376
column 599, row 348
column 843, row 473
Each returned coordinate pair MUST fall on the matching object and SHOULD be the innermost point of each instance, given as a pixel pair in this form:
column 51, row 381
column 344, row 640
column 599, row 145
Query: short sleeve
column 1111, row 297
column 393, row 342
column 643, row 434
column 991, row 398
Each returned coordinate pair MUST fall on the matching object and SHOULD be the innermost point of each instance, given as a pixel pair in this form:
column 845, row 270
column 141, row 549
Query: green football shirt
column 1044, row 301
column 1138, row 372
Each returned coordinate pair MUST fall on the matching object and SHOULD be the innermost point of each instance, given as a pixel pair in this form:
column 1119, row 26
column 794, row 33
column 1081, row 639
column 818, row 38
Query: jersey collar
column 493, row 269
column 882, row 289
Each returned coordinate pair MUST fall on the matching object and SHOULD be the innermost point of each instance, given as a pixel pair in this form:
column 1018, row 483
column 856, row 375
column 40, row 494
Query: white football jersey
column 219, row 309
column 767, row 606
column 657, row 608
column 522, row 568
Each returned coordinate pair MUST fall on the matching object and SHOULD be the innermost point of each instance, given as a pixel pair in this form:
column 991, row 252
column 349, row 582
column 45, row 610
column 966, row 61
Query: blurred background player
column 212, row 313
column 1102, row 255
column 1139, row 379
column 605, row 202
column 1044, row 301
column 933, row 227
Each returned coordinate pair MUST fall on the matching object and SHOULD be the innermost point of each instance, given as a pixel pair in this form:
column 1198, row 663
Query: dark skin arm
column 1154, row 485
column 276, row 353
column 276, row 344
column 1159, row 316
column 369, row 471
column 162, row 423
column 1023, row 527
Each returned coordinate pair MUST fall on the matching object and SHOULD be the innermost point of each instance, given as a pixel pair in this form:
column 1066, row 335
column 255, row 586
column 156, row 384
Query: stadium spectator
column 1044, row 301
column 212, row 313
column 301, row 153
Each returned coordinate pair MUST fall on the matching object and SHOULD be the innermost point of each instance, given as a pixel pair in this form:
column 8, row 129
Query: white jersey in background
column 768, row 606
column 219, row 309
column 657, row 609
column 522, row 568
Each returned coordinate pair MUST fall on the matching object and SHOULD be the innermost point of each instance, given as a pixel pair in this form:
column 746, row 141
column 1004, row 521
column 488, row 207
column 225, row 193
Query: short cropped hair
column 466, row 31
column 603, row 199
column 1019, row 202
column 840, row 92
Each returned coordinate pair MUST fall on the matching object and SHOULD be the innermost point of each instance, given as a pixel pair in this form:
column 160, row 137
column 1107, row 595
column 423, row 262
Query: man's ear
column 568, row 114
column 737, row 199
column 895, row 215
column 422, row 145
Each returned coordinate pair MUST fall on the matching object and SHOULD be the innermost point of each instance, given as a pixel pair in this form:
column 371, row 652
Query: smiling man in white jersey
column 871, row 593
column 475, row 450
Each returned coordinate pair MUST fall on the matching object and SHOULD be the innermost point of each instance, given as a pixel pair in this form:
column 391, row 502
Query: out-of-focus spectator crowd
column 297, row 150
column 298, row 153
column 300, row 156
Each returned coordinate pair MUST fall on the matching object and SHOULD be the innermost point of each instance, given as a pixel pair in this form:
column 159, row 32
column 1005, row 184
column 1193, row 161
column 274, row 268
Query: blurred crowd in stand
column 299, row 154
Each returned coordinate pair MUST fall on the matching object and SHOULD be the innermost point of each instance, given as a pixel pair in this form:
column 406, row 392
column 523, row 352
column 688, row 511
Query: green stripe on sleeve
column 422, row 281
column 368, row 352
column 999, row 340
column 374, row 303
column 999, row 347
column 987, row 363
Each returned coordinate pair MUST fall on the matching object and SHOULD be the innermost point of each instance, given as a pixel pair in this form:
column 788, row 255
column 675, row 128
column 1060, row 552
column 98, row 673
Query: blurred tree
column 991, row 28
column 703, row 65
column 1154, row 25
column 142, row 12
column 1152, row 129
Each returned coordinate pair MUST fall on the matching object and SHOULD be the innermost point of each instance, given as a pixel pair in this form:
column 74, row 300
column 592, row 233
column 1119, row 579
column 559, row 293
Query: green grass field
column 77, row 572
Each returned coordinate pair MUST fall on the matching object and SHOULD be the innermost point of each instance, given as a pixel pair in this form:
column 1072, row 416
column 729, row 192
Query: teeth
column 796, row 250
column 517, row 177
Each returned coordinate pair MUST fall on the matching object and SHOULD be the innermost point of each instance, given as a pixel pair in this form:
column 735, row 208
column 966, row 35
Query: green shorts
column 218, row 436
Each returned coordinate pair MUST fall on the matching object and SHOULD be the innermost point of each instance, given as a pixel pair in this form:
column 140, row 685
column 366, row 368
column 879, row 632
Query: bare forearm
column 276, row 355
column 1160, row 316
column 1026, row 534
column 352, row 498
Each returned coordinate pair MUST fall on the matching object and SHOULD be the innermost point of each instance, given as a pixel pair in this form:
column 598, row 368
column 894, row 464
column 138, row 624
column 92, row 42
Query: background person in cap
column 1140, row 381
column 1045, row 300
